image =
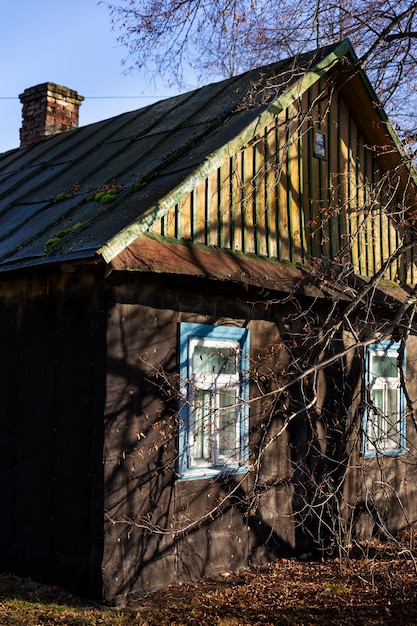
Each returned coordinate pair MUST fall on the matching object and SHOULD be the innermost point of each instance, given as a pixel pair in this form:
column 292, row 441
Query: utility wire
column 96, row 97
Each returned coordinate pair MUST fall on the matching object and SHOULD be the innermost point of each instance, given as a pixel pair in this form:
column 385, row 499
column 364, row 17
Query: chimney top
column 48, row 109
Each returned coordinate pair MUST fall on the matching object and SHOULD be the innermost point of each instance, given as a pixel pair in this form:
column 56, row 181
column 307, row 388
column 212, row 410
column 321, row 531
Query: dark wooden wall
column 82, row 383
column 145, row 505
column 52, row 381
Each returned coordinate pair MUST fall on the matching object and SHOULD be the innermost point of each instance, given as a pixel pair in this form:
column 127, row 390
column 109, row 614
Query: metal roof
column 45, row 215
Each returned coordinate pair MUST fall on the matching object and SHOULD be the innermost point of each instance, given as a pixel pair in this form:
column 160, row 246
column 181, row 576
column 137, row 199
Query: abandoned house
column 207, row 318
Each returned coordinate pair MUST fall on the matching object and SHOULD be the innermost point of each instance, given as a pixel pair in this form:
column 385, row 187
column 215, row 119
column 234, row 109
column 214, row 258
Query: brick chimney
column 48, row 109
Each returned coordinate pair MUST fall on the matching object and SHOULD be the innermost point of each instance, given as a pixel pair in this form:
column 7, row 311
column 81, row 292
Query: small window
column 213, row 435
column 320, row 145
column 384, row 429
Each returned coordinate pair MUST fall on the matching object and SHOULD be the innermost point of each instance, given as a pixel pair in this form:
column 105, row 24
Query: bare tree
column 224, row 37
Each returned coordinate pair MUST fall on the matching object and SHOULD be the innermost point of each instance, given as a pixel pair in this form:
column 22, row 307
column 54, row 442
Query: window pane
column 321, row 144
column 201, row 450
column 375, row 423
column 214, row 360
column 383, row 425
column 384, row 366
column 392, row 414
column 227, row 423
column 378, row 400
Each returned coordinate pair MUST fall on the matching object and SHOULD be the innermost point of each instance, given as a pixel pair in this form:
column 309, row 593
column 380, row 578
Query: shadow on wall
column 159, row 530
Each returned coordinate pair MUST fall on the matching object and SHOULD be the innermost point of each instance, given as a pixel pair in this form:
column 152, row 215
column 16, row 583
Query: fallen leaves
column 381, row 590
column 361, row 591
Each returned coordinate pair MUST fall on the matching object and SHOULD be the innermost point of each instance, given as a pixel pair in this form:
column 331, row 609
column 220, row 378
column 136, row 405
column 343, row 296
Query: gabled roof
column 147, row 156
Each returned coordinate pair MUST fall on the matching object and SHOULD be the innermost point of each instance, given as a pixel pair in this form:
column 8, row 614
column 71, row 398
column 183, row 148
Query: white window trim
column 386, row 446
column 237, row 339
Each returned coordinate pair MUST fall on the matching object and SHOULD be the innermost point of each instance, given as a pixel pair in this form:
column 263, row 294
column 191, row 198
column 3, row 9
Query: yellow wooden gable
column 319, row 174
column 309, row 184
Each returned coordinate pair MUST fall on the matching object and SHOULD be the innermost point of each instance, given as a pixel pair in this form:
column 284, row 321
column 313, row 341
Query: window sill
column 373, row 454
column 199, row 473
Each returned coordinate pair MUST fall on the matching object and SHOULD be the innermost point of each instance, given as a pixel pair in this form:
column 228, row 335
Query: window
column 214, row 363
column 384, row 430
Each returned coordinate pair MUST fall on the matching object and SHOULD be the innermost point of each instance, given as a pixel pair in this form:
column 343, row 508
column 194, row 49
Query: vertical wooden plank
column 393, row 242
column 378, row 233
column 323, row 180
column 370, row 235
column 314, row 177
column 193, row 220
column 343, row 175
column 300, row 151
column 226, row 216
column 362, row 206
column 272, row 178
column 283, row 225
column 200, row 212
column 352, row 206
column 236, row 201
column 169, row 223
column 213, row 221
column 406, row 264
column 413, row 254
column 385, row 228
column 361, row 219
column 261, row 213
column 333, row 170
column 177, row 221
column 306, row 157
column 294, row 195
column 207, row 219
column 158, row 226
column 381, row 217
column 186, row 218
column 248, row 191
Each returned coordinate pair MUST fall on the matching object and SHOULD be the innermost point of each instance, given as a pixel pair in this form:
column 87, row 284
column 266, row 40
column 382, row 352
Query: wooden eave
column 159, row 256
column 148, row 254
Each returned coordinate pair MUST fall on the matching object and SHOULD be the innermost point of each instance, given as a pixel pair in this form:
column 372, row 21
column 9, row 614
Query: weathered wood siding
column 88, row 438
column 141, row 488
column 161, row 530
column 277, row 197
column 51, row 411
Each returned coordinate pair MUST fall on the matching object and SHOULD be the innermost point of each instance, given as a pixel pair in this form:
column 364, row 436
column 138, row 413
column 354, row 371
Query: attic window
column 320, row 145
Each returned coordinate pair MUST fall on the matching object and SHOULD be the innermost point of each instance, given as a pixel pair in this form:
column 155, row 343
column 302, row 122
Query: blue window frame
column 384, row 421
column 214, row 411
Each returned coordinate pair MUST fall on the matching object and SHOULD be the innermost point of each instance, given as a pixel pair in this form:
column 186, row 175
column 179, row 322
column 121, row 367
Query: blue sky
column 71, row 44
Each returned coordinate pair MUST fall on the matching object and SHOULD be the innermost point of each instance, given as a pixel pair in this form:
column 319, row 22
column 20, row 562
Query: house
column 200, row 370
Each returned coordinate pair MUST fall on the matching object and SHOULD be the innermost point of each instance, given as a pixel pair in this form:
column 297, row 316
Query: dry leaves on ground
column 381, row 590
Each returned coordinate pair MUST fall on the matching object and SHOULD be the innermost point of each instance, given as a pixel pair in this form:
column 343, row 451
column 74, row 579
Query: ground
column 378, row 590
